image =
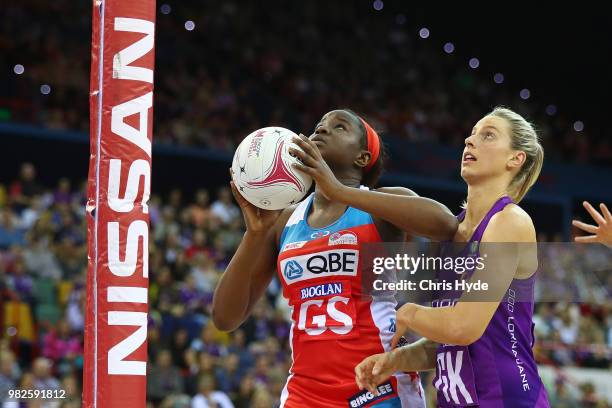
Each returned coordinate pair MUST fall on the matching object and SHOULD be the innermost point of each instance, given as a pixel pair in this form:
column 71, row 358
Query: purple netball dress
column 499, row 369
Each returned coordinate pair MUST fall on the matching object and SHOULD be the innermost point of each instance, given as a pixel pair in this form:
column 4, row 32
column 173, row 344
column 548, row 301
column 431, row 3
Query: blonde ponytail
column 524, row 138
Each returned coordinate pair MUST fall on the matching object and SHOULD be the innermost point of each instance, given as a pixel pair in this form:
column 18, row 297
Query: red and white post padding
column 121, row 118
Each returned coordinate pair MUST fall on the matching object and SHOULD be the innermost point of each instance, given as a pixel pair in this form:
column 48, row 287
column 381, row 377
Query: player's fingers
column 304, row 157
column 379, row 365
column 249, row 211
column 369, row 385
column 302, row 144
column 596, row 216
column 605, row 212
column 239, row 198
column 305, row 145
column 589, row 239
column 585, row 227
column 305, row 169
column 358, row 369
column 363, row 380
column 310, row 142
column 358, row 382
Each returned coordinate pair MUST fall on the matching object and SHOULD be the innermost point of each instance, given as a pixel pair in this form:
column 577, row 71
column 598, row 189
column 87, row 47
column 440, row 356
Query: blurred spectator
column 204, row 273
column 10, row 233
column 75, row 306
column 207, row 396
column 198, row 246
column 60, row 345
column 21, row 284
column 224, row 207
column 180, row 344
column 71, row 387
column 562, row 397
column 40, row 259
column 9, row 372
column 25, row 188
column 262, row 398
column 163, row 378
column 245, row 392
column 63, row 194
column 43, row 378
column 588, row 399
column 200, row 211
column 206, row 342
column 567, row 326
column 230, row 374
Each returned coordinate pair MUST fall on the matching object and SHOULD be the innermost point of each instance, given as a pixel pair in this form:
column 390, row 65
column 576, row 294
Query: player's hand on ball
column 256, row 219
column 602, row 232
column 374, row 370
column 313, row 164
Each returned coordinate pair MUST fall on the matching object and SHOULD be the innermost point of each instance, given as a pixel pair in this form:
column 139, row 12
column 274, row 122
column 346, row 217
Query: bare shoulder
column 397, row 191
column 512, row 224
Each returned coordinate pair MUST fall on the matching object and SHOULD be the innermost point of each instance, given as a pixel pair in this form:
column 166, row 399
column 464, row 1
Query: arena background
column 421, row 75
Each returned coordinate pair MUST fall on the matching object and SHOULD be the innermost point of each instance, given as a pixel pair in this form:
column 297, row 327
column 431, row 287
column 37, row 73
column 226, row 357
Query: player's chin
column 467, row 173
column 322, row 146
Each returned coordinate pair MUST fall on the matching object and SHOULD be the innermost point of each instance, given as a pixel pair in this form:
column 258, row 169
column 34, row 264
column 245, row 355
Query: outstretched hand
column 602, row 232
column 313, row 164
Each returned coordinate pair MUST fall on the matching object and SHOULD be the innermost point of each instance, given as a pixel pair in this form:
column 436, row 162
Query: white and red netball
column 263, row 173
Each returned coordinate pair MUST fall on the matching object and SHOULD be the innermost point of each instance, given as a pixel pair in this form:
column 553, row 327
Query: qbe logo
column 341, row 262
column 292, row 270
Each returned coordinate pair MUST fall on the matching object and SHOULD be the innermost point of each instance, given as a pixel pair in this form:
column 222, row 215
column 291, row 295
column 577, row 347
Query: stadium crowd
column 43, row 266
column 212, row 98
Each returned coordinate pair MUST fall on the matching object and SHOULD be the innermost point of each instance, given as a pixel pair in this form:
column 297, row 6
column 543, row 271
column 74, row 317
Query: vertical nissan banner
column 121, row 119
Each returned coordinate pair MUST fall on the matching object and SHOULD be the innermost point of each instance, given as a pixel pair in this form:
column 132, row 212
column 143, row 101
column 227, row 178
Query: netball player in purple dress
column 482, row 351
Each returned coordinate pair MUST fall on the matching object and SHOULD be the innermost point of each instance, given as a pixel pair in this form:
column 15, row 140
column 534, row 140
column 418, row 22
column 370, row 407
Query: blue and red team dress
column 334, row 324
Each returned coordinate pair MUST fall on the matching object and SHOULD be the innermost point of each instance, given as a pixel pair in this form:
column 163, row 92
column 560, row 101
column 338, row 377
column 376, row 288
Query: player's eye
column 489, row 135
column 341, row 127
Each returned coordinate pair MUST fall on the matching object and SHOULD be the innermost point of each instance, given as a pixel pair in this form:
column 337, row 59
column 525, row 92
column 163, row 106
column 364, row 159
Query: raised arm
column 404, row 209
column 251, row 269
column 396, row 205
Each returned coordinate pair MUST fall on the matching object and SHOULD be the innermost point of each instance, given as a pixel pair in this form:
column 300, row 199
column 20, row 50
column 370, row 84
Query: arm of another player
column 396, row 205
column 375, row 369
column 251, row 268
column 602, row 233
column 466, row 321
